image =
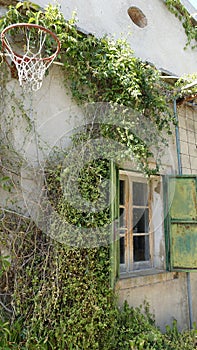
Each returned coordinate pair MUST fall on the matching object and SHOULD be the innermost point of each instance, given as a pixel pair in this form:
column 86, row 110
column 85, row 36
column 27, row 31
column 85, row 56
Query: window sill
column 138, row 273
column 144, row 278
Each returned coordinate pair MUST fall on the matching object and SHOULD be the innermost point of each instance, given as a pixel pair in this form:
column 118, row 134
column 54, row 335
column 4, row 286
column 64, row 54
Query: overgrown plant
column 185, row 87
column 56, row 295
column 104, row 70
column 188, row 22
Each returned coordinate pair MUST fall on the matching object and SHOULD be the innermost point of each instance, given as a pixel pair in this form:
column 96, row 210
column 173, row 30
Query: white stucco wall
column 161, row 42
column 51, row 118
column 51, row 111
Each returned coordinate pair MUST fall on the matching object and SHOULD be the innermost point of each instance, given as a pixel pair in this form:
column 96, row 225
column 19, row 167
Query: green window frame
column 114, row 244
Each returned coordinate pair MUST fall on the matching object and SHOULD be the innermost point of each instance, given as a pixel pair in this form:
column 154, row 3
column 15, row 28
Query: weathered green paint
column 183, row 199
column 184, row 245
column 181, row 222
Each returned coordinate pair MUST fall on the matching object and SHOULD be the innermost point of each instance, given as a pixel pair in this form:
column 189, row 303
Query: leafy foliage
column 56, row 296
column 186, row 86
column 67, row 302
column 189, row 24
column 105, row 70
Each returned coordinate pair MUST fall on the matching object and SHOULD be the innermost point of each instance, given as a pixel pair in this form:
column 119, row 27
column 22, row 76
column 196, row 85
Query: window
column 144, row 210
column 134, row 222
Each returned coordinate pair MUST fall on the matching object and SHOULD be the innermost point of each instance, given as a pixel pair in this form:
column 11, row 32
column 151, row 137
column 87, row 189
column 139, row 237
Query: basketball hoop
column 31, row 49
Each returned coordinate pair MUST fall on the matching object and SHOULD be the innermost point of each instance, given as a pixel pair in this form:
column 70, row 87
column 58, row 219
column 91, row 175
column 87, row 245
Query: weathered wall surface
column 52, row 117
column 51, row 110
column 161, row 42
column 165, row 292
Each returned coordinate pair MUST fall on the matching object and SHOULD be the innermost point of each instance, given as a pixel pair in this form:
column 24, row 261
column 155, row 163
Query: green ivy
column 187, row 80
column 188, row 23
column 67, row 302
column 105, row 70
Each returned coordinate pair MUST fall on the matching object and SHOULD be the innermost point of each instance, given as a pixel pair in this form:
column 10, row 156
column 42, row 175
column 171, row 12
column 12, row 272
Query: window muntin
column 134, row 211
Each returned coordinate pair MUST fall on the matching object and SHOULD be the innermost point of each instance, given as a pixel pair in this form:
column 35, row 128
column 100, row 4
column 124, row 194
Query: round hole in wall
column 137, row 16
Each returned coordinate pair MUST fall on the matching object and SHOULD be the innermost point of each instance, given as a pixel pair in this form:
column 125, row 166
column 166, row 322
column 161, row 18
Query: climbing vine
column 189, row 23
column 104, row 70
column 67, row 302
column 185, row 88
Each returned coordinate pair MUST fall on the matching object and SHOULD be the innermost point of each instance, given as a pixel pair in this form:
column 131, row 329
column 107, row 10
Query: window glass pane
column 122, row 192
column 122, row 250
column 122, row 217
column 140, row 194
column 140, row 220
column 141, row 248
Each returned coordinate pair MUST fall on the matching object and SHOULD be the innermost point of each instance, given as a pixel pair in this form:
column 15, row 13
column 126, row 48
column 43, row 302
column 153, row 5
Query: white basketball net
column 31, row 66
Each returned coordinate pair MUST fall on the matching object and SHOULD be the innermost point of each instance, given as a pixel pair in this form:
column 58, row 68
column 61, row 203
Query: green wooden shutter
column 181, row 222
column 114, row 200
